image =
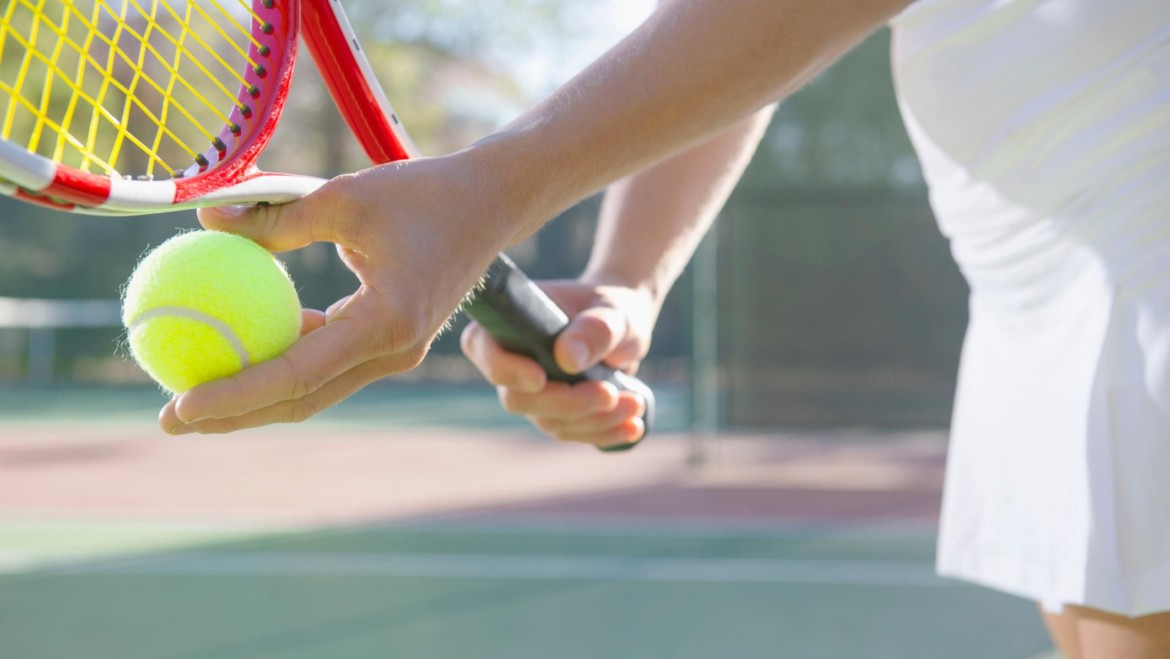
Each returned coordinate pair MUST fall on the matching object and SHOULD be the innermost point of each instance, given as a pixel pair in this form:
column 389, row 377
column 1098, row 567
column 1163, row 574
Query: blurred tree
column 443, row 63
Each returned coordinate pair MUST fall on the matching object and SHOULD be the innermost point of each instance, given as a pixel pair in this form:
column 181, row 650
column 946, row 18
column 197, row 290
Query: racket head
column 145, row 105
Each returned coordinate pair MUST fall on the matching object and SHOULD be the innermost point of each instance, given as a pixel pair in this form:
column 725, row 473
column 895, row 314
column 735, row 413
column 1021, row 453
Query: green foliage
column 842, row 129
column 465, row 28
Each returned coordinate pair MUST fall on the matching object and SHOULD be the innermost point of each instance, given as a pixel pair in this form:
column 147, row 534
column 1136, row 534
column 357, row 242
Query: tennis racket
column 124, row 107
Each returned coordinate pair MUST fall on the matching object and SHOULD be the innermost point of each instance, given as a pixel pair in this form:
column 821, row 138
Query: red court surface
column 322, row 476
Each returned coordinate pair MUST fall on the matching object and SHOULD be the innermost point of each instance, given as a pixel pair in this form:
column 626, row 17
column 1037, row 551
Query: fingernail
column 231, row 211
column 181, row 430
column 578, row 354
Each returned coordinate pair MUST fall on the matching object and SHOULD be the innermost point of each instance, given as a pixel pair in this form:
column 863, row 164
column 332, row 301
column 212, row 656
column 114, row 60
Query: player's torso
column 1039, row 120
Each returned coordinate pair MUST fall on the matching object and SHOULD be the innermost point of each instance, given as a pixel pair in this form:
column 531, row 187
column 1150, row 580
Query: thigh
column 1104, row 635
column 1062, row 627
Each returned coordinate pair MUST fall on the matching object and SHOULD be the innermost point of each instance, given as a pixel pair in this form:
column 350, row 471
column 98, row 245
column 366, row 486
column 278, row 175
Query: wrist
column 646, row 286
column 515, row 196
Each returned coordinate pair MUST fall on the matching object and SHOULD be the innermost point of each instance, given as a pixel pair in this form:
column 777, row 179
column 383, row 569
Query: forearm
column 652, row 221
column 693, row 68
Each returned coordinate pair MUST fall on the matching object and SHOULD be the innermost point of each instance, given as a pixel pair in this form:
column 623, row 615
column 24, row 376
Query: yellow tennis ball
column 205, row 304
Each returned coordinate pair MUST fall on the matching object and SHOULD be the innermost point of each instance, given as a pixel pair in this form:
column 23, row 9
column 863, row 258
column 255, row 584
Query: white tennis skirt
column 1043, row 130
column 1058, row 477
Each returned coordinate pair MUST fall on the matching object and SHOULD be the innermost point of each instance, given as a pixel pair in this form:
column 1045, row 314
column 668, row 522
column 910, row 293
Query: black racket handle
column 522, row 319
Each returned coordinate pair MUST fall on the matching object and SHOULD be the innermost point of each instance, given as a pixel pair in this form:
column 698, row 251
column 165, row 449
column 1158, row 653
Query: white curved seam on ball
column 216, row 324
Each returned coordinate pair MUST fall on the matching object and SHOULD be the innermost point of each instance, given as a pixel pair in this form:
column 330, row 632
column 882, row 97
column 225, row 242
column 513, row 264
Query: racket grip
column 522, row 319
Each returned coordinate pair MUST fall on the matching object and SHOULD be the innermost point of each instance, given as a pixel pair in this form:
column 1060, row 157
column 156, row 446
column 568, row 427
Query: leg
column 1062, row 627
column 1109, row 636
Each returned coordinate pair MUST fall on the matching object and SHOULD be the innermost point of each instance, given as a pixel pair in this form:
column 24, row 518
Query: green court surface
column 119, row 543
column 447, row 591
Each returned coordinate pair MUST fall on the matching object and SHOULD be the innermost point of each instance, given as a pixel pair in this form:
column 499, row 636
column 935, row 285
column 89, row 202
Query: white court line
column 577, row 568
column 603, row 526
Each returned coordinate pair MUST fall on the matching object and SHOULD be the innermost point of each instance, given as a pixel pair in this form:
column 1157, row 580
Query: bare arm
column 651, row 222
column 418, row 234
column 692, row 69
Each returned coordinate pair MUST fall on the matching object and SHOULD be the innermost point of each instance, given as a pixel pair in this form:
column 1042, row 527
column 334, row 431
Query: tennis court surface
column 376, row 531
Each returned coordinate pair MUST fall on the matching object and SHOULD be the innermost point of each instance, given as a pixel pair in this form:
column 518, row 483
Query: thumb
column 589, row 338
column 278, row 227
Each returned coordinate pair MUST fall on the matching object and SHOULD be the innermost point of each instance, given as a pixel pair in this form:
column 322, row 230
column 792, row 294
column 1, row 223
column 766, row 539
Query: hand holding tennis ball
column 206, row 304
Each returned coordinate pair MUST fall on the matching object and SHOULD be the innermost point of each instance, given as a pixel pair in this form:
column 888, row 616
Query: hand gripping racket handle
column 522, row 319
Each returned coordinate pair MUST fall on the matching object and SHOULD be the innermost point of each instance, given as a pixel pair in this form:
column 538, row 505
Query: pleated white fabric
column 1043, row 129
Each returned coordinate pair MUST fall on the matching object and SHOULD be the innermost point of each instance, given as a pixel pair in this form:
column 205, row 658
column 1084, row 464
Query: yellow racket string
column 38, row 111
column 100, row 111
column 46, row 93
column 231, row 19
column 97, row 110
column 131, row 98
column 167, row 99
column 89, row 149
column 71, row 139
column 10, row 114
column 207, row 47
column 131, row 87
column 74, row 99
column 144, row 40
column 8, row 12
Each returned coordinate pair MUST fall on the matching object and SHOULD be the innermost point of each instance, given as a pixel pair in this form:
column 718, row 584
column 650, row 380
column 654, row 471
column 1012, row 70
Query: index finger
column 311, row 362
column 500, row 367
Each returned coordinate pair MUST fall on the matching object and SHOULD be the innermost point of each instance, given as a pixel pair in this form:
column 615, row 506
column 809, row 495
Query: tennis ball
column 205, row 304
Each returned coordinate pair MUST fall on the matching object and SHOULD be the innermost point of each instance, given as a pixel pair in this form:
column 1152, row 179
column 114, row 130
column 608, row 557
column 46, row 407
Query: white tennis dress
column 1043, row 129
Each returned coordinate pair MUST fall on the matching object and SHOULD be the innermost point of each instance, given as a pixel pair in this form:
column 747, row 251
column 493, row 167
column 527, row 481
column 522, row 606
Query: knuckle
column 342, row 189
column 388, row 328
column 512, row 401
column 415, row 356
column 550, row 427
column 383, row 368
column 302, row 410
column 342, row 200
column 399, row 332
column 303, row 382
column 599, row 331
